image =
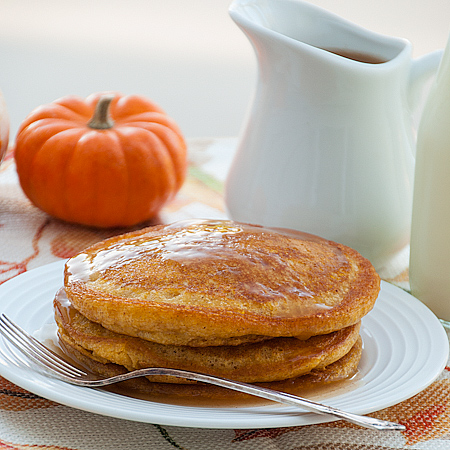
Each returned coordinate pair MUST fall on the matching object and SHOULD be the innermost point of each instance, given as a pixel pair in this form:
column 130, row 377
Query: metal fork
column 56, row 367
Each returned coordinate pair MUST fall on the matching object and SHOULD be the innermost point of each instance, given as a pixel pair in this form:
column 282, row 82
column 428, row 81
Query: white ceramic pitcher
column 328, row 147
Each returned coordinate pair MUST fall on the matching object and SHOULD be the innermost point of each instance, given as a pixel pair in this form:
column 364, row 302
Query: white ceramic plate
column 405, row 349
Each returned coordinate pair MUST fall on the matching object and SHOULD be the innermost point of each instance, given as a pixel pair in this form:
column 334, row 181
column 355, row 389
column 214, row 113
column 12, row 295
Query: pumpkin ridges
column 55, row 112
column 76, row 105
column 167, row 129
column 150, row 116
column 157, row 175
column 29, row 144
column 130, row 105
column 45, row 123
column 96, row 186
column 46, row 185
column 136, row 187
column 175, row 145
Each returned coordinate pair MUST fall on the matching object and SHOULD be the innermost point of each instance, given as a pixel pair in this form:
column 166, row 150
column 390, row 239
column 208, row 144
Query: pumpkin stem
column 101, row 120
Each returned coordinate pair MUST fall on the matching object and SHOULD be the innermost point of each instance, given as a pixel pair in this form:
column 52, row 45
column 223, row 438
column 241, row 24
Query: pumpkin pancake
column 211, row 283
column 342, row 369
column 286, row 357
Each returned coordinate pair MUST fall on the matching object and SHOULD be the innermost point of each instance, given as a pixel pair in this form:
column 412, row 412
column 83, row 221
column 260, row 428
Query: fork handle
column 269, row 394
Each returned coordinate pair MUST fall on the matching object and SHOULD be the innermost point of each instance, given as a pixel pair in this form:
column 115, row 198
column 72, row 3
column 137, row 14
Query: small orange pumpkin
column 106, row 161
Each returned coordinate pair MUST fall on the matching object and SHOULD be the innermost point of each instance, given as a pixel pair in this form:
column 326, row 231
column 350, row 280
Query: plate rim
column 268, row 417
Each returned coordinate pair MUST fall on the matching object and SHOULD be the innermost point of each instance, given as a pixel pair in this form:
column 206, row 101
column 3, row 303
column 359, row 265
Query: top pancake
column 203, row 283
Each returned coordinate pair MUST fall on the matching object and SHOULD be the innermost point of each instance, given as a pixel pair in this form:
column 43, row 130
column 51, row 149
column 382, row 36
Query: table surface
column 29, row 239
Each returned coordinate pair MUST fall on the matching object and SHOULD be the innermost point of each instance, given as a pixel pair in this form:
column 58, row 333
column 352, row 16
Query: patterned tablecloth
column 29, row 239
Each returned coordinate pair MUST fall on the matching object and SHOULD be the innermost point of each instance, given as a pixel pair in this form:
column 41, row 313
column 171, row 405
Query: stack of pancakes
column 280, row 308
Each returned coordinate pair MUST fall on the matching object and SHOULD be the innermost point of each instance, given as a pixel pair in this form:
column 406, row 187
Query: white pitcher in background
column 328, row 147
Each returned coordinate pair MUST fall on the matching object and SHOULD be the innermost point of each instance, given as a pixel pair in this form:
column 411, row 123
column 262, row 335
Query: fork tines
column 36, row 351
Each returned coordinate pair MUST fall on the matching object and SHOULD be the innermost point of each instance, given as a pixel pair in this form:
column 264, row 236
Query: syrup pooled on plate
column 319, row 385
column 317, row 393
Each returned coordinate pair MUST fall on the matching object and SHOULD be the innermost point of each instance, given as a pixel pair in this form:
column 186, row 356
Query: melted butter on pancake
column 209, row 282
column 228, row 249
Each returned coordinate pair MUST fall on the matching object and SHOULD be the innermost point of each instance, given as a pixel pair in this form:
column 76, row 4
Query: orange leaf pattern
column 9, row 446
column 14, row 398
column 11, row 269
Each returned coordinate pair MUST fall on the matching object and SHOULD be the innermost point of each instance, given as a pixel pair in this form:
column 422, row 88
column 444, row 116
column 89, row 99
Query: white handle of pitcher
column 422, row 70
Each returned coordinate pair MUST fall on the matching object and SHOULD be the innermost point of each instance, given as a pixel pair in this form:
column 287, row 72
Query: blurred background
column 188, row 56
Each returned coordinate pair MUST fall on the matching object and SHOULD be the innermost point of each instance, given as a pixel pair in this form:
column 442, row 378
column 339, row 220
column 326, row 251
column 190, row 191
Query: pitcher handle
column 423, row 70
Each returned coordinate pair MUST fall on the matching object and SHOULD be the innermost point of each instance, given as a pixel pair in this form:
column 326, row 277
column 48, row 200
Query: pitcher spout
column 298, row 24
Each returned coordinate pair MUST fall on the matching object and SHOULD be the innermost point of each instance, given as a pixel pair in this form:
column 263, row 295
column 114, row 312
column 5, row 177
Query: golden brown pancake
column 266, row 361
column 210, row 283
column 341, row 370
